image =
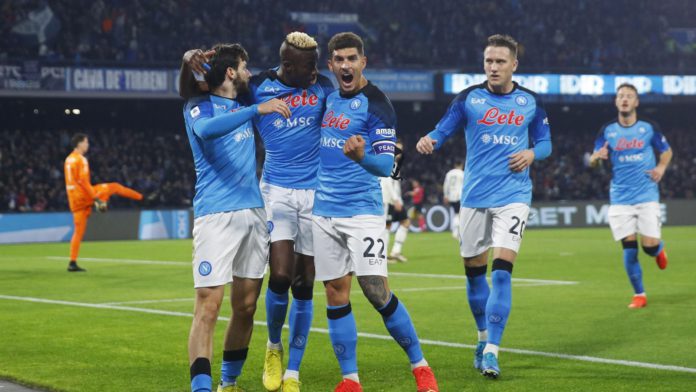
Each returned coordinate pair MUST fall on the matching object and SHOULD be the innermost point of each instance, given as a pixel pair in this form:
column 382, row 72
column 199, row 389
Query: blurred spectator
column 607, row 36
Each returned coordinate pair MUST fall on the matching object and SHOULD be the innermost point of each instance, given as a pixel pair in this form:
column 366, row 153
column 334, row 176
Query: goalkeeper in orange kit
column 82, row 195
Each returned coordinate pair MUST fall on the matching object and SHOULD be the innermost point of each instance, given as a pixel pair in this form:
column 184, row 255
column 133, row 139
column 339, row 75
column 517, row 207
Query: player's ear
column 515, row 63
column 364, row 61
column 231, row 73
column 328, row 63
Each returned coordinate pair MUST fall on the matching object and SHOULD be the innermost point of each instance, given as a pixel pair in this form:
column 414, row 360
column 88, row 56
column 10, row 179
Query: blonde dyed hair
column 301, row 40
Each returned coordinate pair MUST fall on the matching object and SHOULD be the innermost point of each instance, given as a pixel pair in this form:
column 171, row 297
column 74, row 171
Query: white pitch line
column 125, row 261
column 318, row 292
column 582, row 358
column 446, row 276
column 149, row 301
column 404, row 274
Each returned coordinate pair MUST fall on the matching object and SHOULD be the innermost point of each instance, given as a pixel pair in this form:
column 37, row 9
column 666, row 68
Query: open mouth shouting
column 347, row 80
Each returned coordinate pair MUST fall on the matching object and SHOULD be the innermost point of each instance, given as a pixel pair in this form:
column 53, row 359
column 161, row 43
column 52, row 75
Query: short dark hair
column 346, row 40
column 226, row 56
column 627, row 85
column 503, row 40
column 77, row 139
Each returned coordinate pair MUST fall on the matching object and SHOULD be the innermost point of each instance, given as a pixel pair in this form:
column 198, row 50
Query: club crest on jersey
column 641, row 130
column 521, row 100
column 195, row 112
column 332, row 121
column 493, row 116
column 355, row 104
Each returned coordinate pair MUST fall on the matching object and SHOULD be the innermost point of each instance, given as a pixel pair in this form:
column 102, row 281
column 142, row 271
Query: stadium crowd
column 159, row 165
column 625, row 35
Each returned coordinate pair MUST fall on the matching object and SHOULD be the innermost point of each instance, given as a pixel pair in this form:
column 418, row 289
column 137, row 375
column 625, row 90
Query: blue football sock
column 301, row 312
column 633, row 270
column 400, row 327
column 344, row 337
column 232, row 363
column 477, row 292
column 201, row 381
column 498, row 306
column 276, row 308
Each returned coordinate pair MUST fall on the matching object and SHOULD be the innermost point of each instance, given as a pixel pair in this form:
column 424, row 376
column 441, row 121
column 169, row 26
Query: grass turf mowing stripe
column 403, row 274
column 583, row 358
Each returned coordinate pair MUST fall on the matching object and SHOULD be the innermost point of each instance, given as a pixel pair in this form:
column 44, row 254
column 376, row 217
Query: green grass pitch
column 135, row 340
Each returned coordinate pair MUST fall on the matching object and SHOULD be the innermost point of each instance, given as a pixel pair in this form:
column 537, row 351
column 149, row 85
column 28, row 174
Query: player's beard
column 241, row 86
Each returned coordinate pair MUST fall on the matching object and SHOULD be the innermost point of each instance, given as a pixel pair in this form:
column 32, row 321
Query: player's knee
column 336, row 294
column 245, row 308
column 375, row 290
column 651, row 250
column 207, row 312
column 279, row 282
column 629, row 244
column 302, row 290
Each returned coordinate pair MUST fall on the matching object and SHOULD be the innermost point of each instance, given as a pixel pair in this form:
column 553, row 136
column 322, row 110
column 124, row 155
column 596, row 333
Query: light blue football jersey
column 631, row 154
column 292, row 145
column 345, row 188
column 495, row 126
column 225, row 166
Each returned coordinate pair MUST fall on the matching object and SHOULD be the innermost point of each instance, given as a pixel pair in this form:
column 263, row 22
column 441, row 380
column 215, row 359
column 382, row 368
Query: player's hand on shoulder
column 274, row 105
column 520, row 160
column 196, row 58
column 355, row 148
column 426, row 145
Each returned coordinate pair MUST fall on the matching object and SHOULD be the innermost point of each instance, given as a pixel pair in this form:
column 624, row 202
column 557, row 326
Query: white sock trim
column 483, row 335
column 291, row 374
column 418, row 364
column 491, row 348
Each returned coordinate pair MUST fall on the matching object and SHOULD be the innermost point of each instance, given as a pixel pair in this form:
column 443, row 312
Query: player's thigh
column 304, row 243
column 623, row 220
column 509, row 223
column 474, row 231
column 649, row 219
column 250, row 259
column 366, row 243
column 281, row 212
column 331, row 258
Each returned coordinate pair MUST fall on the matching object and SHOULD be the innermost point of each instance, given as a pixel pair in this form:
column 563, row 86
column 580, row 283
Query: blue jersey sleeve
column 540, row 132
column 381, row 130
column 453, row 120
column 206, row 126
column 600, row 140
column 659, row 141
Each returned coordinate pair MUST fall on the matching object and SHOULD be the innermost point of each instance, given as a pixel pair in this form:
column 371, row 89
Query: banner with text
column 590, row 85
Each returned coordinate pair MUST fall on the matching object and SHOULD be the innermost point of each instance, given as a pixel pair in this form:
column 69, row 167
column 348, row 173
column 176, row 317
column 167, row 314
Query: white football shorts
column 643, row 218
column 349, row 245
column 289, row 213
column 228, row 244
column 499, row 227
